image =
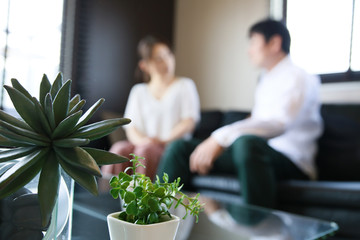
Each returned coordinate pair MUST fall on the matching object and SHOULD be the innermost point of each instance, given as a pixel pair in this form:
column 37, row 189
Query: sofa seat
column 335, row 196
column 324, row 193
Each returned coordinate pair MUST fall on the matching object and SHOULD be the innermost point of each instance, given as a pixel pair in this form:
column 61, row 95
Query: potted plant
column 49, row 137
column 146, row 206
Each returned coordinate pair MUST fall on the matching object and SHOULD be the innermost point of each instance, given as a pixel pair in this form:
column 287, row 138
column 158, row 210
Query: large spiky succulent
column 49, row 137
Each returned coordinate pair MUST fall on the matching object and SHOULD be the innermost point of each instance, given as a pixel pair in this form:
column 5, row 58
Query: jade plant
column 147, row 202
column 51, row 135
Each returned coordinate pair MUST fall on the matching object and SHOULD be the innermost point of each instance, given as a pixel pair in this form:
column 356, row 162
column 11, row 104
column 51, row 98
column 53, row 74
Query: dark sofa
column 335, row 196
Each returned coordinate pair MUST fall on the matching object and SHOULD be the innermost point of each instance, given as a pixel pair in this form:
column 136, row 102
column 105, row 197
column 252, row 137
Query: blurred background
column 93, row 42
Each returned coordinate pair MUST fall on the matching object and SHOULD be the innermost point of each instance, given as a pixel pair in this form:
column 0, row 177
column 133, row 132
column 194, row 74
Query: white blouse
column 286, row 112
column 157, row 117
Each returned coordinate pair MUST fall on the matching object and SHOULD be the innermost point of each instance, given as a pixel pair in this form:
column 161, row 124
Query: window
column 30, row 42
column 325, row 37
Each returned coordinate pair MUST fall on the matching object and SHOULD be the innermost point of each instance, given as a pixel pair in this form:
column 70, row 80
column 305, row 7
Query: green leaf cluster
column 147, row 202
column 50, row 136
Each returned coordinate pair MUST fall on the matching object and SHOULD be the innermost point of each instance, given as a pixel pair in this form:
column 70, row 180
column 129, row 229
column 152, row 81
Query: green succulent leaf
column 61, row 102
column 23, row 132
column 79, row 158
column 66, row 126
column 48, row 187
column 129, row 196
column 160, row 192
column 90, row 112
column 86, row 180
column 6, row 142
column 25, row 140
column 100, row 129
column 103, row 157
column 77, row 107
column 25, row 107
column 42, row 117
column 13, row 121
column 70, row 142
column 49, row 111
column 22, row 172
column 45, row 87
column 15, row 83
column 15, row 153
column 154, row 205
column 58, row 82
column 153, row 218
column 132, row 209
column 74, row 100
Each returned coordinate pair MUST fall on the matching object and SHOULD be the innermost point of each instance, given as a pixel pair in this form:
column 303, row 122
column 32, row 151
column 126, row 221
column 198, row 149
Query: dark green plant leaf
column 48, row 187
column 26, row 108
column 154, row 205
column 78, row 158
column 153, row 218
column 18, row 138
column 6, row 142
column 14, row 121
column 66, row 126
column 114, row 193
column 70, row 142
column 49, row 111
column 129, row 197
column 139, row 191
column 39, row 111
column 104, row 157
column 124, row 177
column 22, row 172
column 89, row 113
column 132, row 209
column 74, row 100
column 15, row 153
column 24, row 132
column 45, row 87
column 77, row 107
column 61, row 102
column 84, row 179
column 160, row 192
column 15, row 83
column 122, row 216
column 58, row 82
column 100, row 129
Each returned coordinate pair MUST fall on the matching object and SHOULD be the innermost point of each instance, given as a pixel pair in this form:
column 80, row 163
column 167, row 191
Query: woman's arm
column 136, row 137
column 183, row 127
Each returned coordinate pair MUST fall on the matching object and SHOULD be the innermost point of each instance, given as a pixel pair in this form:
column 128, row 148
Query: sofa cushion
column 210, row 120
column 320, row 193
column 339, row 147
column 233, row 116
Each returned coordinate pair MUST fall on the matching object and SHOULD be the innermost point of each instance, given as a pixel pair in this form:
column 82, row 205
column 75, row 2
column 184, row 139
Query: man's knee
column 248, row 142
column 245, row 147
column 178, row 147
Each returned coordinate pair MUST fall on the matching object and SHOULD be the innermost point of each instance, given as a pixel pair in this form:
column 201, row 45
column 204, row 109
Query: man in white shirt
column 278, row 140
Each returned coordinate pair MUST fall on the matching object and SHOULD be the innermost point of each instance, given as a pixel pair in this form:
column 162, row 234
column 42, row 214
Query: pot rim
column 115, row 214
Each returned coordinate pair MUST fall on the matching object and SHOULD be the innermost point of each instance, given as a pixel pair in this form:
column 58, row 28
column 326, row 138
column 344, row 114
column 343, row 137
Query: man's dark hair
column 269, row 28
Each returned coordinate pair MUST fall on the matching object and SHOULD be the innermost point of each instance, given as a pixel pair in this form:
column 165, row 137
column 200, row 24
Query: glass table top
column 243, row 222
column 218, row 221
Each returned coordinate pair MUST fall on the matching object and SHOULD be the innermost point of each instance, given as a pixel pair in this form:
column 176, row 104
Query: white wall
column 211, row 48
column 348, row 92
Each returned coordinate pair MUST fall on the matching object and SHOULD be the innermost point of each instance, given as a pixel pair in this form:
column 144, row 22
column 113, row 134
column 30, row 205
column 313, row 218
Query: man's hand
column 204, row 156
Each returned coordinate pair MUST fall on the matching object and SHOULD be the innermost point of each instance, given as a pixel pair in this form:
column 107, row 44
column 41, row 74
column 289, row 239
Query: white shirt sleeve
column 190, row 107
column 132, row 109
column 276, row 108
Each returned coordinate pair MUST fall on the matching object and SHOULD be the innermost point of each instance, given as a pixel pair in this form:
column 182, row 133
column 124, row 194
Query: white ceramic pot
column 119, row 229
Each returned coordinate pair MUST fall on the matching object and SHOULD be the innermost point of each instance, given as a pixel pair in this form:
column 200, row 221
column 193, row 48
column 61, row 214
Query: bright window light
column 34, row 42
column 355, row 59
column 321, row 34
